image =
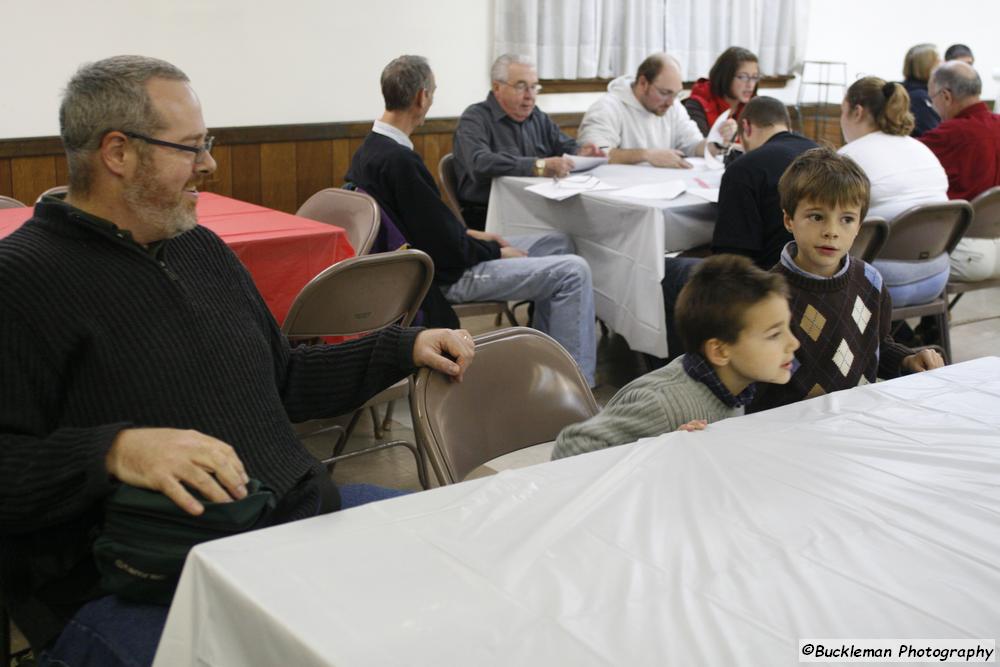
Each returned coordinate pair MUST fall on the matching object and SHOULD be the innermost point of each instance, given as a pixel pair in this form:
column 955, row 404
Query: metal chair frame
column 335, row 303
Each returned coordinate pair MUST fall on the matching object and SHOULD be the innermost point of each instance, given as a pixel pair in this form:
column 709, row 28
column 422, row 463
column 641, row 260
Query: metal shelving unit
column 824, row 82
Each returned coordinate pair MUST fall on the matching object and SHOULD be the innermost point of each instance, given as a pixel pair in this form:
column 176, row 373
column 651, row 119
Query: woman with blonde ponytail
column 876, row 121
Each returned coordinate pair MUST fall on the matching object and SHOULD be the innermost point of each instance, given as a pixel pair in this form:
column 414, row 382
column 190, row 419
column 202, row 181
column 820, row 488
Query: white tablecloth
column 623, row 242
column 866, row 513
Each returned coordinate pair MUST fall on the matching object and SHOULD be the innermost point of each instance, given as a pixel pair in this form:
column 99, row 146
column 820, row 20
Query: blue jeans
column 555, row 279
column 112, row 632
column 911, row 283
column 677, row 271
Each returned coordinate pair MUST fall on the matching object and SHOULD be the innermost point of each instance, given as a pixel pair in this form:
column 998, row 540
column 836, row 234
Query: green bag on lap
column 146, row 537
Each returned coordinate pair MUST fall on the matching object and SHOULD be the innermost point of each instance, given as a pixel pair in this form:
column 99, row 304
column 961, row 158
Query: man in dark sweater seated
column 135, row 349
column 469, row 265
column 750, row 220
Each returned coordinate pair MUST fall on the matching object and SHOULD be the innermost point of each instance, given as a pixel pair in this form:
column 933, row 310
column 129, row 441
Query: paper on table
column 715, row 134
column 565, row 188
column 708, row 194
column 661, row 190
column 584, row 162
column 712, row 162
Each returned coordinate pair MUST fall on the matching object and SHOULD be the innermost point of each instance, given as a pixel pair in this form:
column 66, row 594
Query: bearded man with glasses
column 637, row 120
column 135, row 350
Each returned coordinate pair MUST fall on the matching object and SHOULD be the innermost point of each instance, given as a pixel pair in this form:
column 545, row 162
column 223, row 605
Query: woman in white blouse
column 876, row 120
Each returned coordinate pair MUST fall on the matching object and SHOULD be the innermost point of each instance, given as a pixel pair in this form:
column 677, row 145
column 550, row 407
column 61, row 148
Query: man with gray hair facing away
column 967, row 143
column 507, row 135
column 469, row 265
column 637, row 120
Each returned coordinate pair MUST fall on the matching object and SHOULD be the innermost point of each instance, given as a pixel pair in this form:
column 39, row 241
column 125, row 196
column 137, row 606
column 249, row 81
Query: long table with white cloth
column 623, row 240
column 866, row 513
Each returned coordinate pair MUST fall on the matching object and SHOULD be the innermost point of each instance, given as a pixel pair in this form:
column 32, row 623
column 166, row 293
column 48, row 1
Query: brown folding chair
column 57, row 190
column 870, row 239
column 10, row 202
column 449, row 181
column 985, row 225
column 922, row 233
column 362, row 295
column 521, row 390
column 355, row 212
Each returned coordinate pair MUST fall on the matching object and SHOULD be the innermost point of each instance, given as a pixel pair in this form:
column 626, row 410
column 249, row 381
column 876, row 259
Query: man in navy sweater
column 135, row 349
column 469, row 265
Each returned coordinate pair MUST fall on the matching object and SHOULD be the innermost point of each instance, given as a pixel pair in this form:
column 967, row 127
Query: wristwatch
column 539, row 167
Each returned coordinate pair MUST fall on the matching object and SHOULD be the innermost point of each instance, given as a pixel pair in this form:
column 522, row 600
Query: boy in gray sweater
column 734, row 321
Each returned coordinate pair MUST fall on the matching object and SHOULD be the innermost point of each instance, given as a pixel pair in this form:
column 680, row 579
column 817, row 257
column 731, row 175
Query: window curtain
column 582, row 39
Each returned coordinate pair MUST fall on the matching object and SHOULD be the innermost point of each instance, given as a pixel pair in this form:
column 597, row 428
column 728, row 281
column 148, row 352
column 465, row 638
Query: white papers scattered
column 584, row 163
column 661, row 190
column 564, row 188
column 708, row 194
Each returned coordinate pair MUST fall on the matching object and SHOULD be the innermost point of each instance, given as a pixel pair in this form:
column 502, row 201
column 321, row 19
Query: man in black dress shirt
column 507, row 135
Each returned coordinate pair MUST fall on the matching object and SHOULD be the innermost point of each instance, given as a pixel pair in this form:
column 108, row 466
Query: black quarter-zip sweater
column 99, row 334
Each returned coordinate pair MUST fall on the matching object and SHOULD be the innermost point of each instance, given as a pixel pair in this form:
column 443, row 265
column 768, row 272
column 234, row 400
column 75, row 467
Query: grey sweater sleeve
column 634, row 414
column 654, row 404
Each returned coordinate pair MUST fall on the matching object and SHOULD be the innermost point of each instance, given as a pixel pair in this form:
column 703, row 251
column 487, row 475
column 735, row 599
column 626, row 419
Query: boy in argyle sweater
column 841, row 311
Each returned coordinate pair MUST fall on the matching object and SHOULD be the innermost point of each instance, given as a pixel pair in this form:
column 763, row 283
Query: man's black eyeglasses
column 199, row 151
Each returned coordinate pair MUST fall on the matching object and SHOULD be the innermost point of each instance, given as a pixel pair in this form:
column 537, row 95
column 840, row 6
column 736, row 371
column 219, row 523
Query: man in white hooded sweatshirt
column 637, row 120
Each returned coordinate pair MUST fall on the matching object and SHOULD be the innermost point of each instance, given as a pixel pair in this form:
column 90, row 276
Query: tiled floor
column 975, row 330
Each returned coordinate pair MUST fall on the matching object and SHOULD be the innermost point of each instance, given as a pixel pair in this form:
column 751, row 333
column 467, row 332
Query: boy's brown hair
column 717, row 296
column 823, row 176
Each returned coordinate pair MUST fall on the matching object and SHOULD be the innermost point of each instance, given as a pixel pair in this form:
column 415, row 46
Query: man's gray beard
column 172, row 219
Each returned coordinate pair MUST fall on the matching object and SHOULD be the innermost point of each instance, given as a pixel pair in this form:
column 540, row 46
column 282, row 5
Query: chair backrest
column 986, row 219
column 870, row 239
column 57, row 190
column 449, row 181
column 927, row 230
column 521, row 390
column 355, row 212
column 10, row 202
column 361, row 294
column 389, row 237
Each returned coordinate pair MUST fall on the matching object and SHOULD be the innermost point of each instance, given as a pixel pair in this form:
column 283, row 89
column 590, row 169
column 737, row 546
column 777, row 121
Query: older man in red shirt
column 967, row 142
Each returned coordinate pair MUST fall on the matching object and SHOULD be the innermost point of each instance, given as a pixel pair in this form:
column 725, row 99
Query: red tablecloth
column 282, row 252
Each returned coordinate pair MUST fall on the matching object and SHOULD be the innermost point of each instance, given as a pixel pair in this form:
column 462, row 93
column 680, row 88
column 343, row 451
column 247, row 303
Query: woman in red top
column 731, row 83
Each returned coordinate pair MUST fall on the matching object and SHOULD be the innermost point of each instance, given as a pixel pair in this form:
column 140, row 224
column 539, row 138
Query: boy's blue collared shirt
column 699, row 369
column 788, row 254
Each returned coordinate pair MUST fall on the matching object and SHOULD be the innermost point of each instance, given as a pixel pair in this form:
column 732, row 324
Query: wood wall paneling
column 278, row 176
column 32, row 176
column 245, row 170
column 314, row 166
column 341, row 160
column 821, row 123
column 6, row 188
column 282, row 166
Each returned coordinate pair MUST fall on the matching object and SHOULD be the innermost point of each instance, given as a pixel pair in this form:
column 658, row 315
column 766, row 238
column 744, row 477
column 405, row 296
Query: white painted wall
column 256, row 62
column 253, row 62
